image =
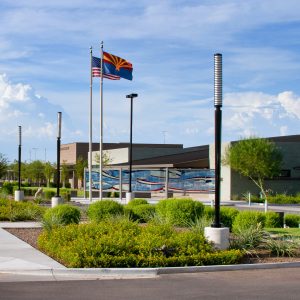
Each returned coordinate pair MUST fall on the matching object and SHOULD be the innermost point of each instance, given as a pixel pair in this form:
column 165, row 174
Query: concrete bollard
column 219, row 236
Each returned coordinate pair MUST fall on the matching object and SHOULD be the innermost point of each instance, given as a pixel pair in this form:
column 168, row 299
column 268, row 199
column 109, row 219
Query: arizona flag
column 114, row 65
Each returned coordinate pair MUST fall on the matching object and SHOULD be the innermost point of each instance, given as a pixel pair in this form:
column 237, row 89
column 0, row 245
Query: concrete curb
column 102, row 273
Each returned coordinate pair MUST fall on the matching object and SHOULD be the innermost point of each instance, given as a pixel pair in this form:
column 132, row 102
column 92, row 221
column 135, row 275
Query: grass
column 294, row 232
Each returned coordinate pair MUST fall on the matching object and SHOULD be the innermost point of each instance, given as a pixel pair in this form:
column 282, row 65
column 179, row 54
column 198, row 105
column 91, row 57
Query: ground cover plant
column 123, row 243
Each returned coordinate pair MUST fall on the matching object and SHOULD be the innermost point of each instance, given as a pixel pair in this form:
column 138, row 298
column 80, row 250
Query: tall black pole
column 218, row 126
column 19, row 158
column 58, row 152
column 131, row 96
column 130, row 145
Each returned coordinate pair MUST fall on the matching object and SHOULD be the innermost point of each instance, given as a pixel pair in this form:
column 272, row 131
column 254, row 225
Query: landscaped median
column 123, row 243
column 141, row 235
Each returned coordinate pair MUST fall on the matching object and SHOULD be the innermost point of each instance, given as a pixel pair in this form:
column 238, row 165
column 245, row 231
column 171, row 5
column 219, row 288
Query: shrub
column 61, row 215
column 137, row 201
column 104, row 209
column 48, row 194
column 66, row 195
column 228, row 215
column 20, row 211
column 247, row 238
column 179, row 211
column 143, row 212
column 292, row 220
column 209, row 212
column 247, row 219
column 125, row 244
column 8, row 187
column 284, row 199
column 273, row 220
column 284, row 246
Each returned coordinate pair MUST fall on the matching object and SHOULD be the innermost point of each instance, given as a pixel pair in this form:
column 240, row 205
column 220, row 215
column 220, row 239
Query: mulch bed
column 30, row 235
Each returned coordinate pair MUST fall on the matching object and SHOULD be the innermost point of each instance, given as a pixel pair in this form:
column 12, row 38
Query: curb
column 126, row 273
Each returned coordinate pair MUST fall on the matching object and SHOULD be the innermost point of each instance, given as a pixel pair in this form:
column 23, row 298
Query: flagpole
column 90, row 127
column 101, row 126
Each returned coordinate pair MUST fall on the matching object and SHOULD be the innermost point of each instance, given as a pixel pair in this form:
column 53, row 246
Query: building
column 200, row 157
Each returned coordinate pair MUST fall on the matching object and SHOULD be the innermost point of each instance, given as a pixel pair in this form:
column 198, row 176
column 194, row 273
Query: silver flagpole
column 90, row 129
column 101, row 126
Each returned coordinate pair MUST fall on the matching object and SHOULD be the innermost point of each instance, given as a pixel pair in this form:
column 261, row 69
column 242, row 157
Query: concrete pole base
column 19, row 195
column 129, row 196
column 56, row 201
column 219, row 236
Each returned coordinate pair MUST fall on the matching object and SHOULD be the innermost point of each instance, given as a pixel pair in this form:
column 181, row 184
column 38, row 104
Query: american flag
column 96, row 70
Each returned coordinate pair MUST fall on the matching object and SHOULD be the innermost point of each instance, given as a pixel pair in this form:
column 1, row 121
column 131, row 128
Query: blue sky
column 44, row 68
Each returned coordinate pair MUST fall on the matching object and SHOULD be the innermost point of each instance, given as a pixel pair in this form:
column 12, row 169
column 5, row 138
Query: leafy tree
column 79, row 168
column 64, row 173
column 35, row 172
column 3, row 165
column 105, row 158
column 255, row 158
column 49, row 171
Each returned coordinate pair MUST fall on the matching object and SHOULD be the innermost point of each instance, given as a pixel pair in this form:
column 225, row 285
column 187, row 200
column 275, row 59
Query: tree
column 49, row 171
column 79, row 168
column 256, row 158
column 35, row 171
column 64, row 175
column 3, row 165
column 105, row 158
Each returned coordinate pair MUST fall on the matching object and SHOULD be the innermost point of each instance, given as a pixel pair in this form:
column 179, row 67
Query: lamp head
column 132, row 96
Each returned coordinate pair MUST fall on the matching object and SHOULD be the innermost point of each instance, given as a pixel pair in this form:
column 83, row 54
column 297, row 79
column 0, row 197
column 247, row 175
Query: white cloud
column 257, row 113
column 290, row 103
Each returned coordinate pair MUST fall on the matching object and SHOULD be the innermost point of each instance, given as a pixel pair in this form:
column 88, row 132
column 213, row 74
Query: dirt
column 30, row 236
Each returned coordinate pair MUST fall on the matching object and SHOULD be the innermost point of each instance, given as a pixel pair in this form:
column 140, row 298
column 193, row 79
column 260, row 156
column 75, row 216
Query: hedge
column 126, row 244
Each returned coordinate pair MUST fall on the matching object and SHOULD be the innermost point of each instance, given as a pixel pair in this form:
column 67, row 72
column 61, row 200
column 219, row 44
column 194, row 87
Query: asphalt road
column 249, row 284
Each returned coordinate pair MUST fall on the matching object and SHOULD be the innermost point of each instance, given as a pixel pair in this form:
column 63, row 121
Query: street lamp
column 19, row 195
column 57, row 199
column 218, row 125
column 216, row 233
column 130, row 195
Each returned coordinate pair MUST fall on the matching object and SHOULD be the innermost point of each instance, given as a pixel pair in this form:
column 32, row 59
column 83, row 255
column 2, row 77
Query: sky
column 45, row 68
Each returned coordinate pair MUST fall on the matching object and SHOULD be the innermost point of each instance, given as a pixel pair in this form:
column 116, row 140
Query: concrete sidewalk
column 15, row 254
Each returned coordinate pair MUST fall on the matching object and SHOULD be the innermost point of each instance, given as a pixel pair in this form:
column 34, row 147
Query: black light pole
column 218, row 125
column 58, row 152
column 19, row 157
column 131, row 96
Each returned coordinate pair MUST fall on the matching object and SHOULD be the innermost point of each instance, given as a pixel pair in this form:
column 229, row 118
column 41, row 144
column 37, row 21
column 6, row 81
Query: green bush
column 292, row 220
column 104, row 209
column 63, row 214
column 246, row 219
column 48, row 194
column 209, row 212
column 8, row 187
column 126, row 244
column 20, row 211
column 143, row 212
column 284, row 246
column 179, row 211
column 227, row 216
column 273, row 220
column 284, row 199
column 137, row 201
column 247, row 238
column 66, row 195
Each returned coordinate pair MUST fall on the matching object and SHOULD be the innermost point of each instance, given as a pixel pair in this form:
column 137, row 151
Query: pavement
column 20, row 261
